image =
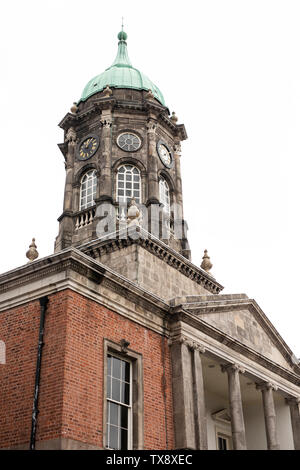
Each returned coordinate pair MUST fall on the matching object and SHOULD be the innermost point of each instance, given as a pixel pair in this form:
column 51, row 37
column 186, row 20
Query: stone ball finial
column 32, row 253
column 206, row 264
column 107, row 91
column 174, row 118
column 74, row 108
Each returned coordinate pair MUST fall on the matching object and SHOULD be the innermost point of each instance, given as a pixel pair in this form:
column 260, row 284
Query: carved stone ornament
column 124, row 345
column 74, row 108
column 32, row 253
column 206, row 264
column 151, row 127
column 174, row 118
column 71, row 135
column 106, row 123
column 134, row 216
column 107, row 91
column 177, row 149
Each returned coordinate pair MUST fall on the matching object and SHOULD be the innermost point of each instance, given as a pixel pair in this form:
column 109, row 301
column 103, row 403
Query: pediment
column 243, row 320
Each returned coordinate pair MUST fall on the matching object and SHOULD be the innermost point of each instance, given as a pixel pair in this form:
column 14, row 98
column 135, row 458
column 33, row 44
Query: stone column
column 105, row 181
column 199, row 399
column 236, row 406
column 294, row 404
column 270, row 414
column 182, row 386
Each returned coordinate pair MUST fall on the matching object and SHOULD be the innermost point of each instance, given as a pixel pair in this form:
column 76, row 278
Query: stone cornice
column 223, row 304
column 234, row 344
column 114, row 242
column 97, row 105
column 73, row 260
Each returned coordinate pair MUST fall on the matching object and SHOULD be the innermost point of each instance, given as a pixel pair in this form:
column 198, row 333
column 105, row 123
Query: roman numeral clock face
column 87, row 147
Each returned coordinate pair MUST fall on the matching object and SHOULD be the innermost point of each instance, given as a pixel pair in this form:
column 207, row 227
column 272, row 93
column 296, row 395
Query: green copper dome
column 121, row 74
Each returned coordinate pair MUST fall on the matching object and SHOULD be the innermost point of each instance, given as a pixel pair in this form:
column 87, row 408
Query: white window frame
column 129, row 406
column 127, row 198
column 223, row 434
column 83, row 204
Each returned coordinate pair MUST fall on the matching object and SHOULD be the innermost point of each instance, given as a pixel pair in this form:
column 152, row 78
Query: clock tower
column 122, row 150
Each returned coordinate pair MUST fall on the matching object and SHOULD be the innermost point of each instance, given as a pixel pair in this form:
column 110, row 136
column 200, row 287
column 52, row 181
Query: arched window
column 88, row 188
column 164, row 194
column 128, row 184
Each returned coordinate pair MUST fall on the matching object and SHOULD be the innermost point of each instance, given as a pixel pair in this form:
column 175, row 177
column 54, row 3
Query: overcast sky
column 230, row 70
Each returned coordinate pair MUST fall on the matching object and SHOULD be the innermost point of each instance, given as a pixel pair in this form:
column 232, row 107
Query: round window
column 129, row 142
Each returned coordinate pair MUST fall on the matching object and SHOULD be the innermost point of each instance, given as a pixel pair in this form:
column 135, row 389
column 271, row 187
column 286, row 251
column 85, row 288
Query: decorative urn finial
column 32, row 253
column 74, row 108
column 107, row 91
column 174, row 118
column 206, row 264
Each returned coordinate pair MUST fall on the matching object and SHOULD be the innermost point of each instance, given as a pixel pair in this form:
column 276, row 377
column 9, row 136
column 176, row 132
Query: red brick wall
column 71, row 387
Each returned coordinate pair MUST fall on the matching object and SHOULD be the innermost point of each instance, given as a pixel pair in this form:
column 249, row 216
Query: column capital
column 293, row 400
column 106, row 123
column 266, row 386
column 192, row 345
column 232, row 368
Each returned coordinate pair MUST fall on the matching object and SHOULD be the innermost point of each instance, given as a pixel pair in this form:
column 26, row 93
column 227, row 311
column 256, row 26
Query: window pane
column 109, row 359
column 115, row 394
column 116, row 368
column 113, row 437
column 127, row 372
column 124, row 417
column 113, row 413
column 124, row 439
column 125, row 393
column 108, row 387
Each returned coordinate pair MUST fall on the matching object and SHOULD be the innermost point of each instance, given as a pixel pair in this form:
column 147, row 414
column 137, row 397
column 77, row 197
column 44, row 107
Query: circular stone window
column 129, row 142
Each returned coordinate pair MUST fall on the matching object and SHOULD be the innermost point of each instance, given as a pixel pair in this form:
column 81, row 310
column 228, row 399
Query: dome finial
column 122, row 36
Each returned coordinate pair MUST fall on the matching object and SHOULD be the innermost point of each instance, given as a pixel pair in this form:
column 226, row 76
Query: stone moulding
column 116, row 241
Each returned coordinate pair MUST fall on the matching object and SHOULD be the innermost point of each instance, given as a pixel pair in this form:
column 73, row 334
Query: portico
column 231, row 401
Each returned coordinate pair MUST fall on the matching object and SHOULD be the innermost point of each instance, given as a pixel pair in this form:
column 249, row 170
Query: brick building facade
column 117, row 340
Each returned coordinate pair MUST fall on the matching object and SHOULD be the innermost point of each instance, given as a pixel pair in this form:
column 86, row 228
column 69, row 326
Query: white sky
column 230, row 70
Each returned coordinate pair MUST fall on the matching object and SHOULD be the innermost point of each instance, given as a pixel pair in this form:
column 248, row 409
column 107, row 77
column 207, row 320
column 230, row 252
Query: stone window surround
column 136, row 360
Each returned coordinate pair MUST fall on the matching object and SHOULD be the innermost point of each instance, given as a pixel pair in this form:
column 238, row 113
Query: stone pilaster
column 153, row 188
column 199, row 398
column 236, row 406
column 177, row 155
column 105, row 180
column 270, row 414
column 294, row 404
column 184, row 416
column 72, row 142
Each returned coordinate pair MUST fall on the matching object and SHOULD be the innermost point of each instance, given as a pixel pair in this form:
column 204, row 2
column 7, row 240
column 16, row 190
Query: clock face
column 129, row 142
column 165, row 154
column 88, row 147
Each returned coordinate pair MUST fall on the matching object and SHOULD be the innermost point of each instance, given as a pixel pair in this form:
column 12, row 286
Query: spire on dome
column 122, row 59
